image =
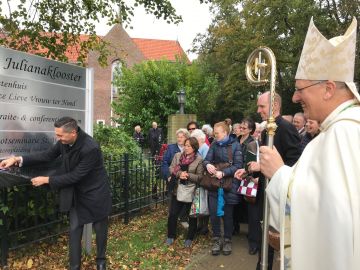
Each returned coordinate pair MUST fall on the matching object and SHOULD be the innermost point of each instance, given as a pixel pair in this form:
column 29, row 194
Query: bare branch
column 9, row 7
column 336, row 15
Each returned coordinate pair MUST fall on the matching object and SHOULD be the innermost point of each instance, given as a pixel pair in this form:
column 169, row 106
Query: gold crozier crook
column 259, row 65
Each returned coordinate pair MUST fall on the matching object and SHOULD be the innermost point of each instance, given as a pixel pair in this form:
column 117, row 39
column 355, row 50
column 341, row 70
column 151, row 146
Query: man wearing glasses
column 191, row 126
column 315, row 205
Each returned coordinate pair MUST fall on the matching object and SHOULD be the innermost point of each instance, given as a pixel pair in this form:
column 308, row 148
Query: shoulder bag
column 211, row 182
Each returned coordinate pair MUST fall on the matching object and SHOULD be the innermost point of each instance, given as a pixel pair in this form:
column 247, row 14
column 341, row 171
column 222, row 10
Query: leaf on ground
column 29, row 263
column 139, row 245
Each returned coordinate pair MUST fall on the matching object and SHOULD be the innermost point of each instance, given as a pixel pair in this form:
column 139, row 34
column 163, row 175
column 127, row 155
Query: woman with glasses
column 244, row 130
column 247, row 128
column 191, row 126
column 248, row 143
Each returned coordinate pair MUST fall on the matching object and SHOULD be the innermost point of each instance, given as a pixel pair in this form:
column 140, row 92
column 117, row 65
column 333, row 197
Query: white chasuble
column 324, row 197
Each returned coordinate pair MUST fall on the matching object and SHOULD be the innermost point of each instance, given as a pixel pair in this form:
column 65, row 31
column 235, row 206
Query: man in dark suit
column 155, row 138
column 83, row 184
column 287, row 142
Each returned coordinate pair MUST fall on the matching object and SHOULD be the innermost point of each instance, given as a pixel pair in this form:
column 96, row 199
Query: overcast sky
column 196, row 19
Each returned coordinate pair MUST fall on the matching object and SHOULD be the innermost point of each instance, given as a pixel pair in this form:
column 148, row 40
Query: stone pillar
column 176, row 121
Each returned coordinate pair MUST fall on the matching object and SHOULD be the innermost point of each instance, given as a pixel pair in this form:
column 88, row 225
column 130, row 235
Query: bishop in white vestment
column 315, row 205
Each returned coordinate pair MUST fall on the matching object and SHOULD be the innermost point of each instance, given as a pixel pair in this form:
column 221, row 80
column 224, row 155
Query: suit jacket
column 155, row 138
column 287, row 142
column 81, row 179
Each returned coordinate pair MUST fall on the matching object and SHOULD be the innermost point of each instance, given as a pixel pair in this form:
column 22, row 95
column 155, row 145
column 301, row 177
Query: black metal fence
column 29, row 215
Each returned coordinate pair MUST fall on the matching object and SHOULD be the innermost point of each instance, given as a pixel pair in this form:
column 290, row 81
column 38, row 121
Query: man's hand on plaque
column 6, row 163
column 40, row 180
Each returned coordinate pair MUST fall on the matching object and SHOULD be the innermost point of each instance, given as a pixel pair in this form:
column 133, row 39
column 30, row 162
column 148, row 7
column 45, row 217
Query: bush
column 114, row 141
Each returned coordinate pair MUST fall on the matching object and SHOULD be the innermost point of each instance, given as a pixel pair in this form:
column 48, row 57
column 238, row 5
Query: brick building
column 127, row 51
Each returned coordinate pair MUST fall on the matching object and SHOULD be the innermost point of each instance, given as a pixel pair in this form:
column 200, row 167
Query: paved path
column 239, row 259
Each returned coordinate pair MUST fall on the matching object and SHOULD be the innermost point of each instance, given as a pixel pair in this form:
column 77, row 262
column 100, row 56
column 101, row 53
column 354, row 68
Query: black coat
column 286, row 140
column 81, row 179
column 287, row 143
column 155, row 139
column 139, row 138
column 243, row 148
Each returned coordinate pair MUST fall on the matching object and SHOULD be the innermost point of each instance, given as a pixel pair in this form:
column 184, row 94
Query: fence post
column 126, row 188
column 4, row 231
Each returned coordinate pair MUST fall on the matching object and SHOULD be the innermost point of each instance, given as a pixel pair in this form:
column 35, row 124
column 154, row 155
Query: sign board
column 34, row 93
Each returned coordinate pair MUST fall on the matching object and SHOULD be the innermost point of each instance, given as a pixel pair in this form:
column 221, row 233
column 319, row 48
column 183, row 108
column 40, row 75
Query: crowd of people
column 198, row 150
column 313, row 169
column 314, row 191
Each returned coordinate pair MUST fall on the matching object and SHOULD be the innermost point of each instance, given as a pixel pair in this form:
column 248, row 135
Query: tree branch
column 288, row 25
column 336, row 12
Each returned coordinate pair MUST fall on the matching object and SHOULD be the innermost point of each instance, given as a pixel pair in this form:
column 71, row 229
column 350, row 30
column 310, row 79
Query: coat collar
column 81, row 135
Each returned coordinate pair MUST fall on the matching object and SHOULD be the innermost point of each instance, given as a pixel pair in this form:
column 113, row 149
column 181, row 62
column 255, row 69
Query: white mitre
column 333, row 59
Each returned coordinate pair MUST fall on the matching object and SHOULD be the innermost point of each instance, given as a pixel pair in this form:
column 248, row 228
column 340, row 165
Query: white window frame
column 116, row 64
column 100, row 122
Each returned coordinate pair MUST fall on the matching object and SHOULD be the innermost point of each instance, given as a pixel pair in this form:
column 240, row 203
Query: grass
column 138, row 245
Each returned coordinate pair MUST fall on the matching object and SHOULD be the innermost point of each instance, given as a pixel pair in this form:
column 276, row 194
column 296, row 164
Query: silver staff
column 260, row 63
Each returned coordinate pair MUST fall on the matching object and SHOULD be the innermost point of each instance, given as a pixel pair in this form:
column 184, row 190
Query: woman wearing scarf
column 188, row 169
column 218, row 153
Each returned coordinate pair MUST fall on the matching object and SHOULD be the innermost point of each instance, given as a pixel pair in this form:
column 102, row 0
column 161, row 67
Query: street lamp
column 181, row 99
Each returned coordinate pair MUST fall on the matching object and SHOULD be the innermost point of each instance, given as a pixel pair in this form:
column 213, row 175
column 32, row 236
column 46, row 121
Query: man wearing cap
column 315, row 204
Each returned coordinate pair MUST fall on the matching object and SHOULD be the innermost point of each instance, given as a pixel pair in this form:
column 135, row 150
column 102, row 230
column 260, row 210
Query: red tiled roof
column 152, row 49
column 157, row 49
column 72, row 52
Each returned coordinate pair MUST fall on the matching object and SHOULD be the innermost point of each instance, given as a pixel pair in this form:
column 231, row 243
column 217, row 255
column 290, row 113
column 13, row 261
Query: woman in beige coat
column 187, row 169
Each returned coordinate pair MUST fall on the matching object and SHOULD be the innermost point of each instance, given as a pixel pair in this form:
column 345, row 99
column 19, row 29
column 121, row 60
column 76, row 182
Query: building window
column 115, row 69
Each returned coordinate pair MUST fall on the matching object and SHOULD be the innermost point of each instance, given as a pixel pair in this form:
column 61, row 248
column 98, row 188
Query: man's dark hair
column 193, row 143
column 67, row 123
column 192, row 123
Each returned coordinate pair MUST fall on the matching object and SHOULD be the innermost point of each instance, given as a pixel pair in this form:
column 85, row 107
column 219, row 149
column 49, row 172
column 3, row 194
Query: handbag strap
column 230, row 154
